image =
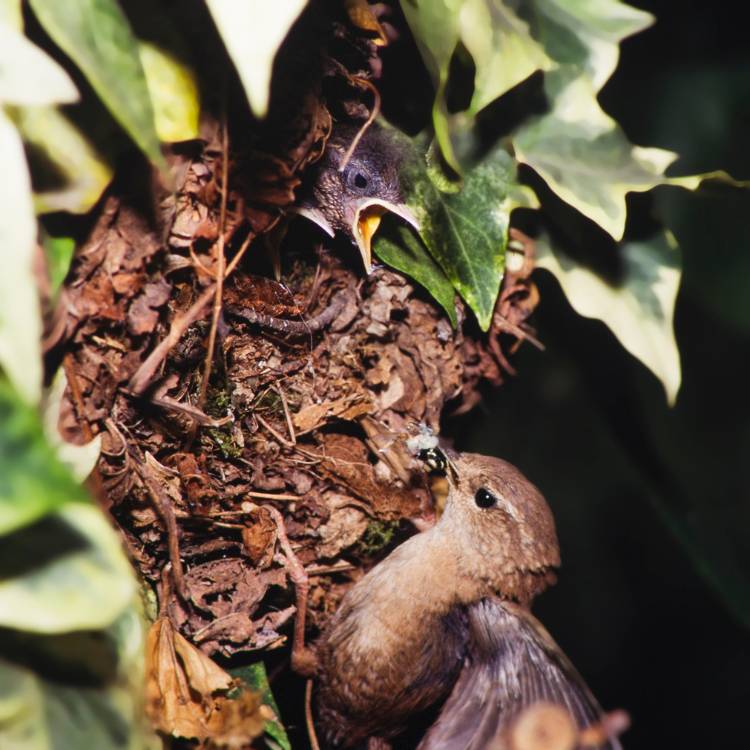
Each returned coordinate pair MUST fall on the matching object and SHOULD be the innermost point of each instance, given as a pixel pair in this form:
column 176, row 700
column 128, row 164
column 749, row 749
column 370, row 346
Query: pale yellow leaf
column 20, row 317
column 174, row 94
column 253, row 31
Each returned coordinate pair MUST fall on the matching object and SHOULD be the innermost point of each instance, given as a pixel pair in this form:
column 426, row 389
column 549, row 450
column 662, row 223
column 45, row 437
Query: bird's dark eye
column 356, row 178
column 484, row 498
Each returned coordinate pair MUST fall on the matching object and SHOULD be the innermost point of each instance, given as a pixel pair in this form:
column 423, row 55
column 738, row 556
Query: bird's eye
column 357, row 179
column 484, row 498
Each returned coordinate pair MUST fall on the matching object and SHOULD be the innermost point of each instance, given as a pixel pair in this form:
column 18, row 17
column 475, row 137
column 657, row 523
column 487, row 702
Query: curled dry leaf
column 344, row 527
column 186, row 693
column 259, row 537
column 315, row 415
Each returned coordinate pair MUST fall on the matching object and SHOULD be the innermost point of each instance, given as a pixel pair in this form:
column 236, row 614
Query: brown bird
column 446, row 615
column 351, row 196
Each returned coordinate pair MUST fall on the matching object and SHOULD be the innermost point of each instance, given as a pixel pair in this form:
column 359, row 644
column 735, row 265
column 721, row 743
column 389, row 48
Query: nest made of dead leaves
column 307, row 417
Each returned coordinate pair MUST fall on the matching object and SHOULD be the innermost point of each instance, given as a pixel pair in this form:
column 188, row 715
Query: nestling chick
column 446, row 614
column 352, row 200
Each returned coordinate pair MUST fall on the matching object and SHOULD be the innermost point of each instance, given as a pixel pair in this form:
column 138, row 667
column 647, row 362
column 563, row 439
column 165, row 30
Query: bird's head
column 502, row 524
column 352, row 195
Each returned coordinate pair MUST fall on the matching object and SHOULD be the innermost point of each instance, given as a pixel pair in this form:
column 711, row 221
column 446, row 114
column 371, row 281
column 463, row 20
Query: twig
column 308, row 716
column 293, row 327
column 193, row 412
column 221, row 264
column 288, row 416
column 272, row 496
column 303, row 659
column 505, row 325
column 200, row 265
column 325, row 570
column 274, row 432
column 364, row 83
column 165, row 510
column 140, row 381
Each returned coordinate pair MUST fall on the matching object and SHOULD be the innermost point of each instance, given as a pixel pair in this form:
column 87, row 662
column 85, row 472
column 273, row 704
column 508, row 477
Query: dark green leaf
column 400, row 248
column 465, row 227
column 32, row 480
column 59, row 253
column 255, row 677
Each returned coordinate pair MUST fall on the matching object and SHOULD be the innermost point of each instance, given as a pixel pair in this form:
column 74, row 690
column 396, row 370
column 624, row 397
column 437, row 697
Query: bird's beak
column 366, row 220
column 315, row 216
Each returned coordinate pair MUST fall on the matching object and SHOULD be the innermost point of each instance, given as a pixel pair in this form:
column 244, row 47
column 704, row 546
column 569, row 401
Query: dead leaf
column 259, row 538
column 186, row 693
column 346, row 461
column 347, row 407
column 344, row 527
column 144, row 312
column 361, row 14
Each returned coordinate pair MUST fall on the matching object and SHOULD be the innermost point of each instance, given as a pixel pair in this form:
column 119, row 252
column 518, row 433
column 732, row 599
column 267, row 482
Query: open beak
column 315, row 216
column 366, row 220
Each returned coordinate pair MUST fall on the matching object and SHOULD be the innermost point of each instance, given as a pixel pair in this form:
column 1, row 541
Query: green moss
column 222, row 437
column 218, row 402
column 378, row 534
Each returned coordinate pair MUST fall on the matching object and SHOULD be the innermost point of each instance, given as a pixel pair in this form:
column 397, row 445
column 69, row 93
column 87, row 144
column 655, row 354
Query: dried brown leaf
column 346, row 407
column 186, row 693
column 259, row 538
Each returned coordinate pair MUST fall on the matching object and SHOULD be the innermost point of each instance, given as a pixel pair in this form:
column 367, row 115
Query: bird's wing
column 513, row 665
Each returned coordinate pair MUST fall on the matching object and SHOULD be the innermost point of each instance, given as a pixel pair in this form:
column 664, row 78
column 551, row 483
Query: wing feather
column 513, row 664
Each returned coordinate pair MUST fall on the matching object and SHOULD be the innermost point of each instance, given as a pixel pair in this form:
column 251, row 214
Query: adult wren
column 351, row 195
column 446, row 616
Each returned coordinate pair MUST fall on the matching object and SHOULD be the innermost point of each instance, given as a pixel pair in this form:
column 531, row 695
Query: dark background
column 653, row 599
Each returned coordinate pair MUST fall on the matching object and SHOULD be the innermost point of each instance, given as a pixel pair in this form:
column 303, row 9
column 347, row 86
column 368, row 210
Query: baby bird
column 353, row 200
column 446, row 615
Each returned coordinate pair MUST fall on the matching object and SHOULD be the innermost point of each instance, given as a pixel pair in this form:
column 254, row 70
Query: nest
column 297, row 397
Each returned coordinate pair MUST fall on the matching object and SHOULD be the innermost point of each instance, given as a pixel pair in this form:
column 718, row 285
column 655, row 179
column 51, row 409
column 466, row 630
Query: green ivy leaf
column 28, row 76
column 584, row 156
column 253, row 32
column 401, row 249
column 86, row 173
column 576, row 148
column 20, row 317
column 95, row 699
column 435, row 25
column 80, row 460
column 32, row 481
column 59, row 253
column 174, row 94
column 11, row 13
column 96, row 35
column 465, row 227
column 639, row 310
column 65, row 572
column 502, row 47
column 255, row 677
column 583, row 36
